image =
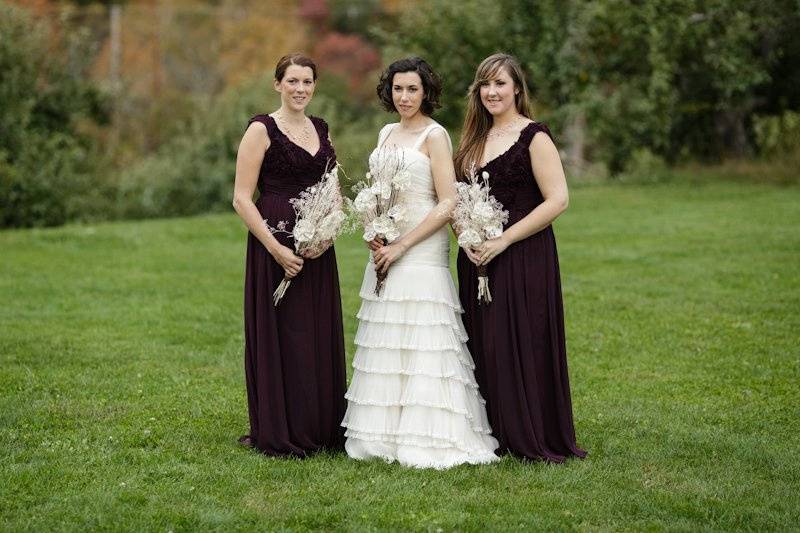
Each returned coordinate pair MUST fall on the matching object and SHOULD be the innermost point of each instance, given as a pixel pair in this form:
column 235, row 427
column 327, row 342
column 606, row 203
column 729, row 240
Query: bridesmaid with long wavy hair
column 294, row 353
column 517, row 340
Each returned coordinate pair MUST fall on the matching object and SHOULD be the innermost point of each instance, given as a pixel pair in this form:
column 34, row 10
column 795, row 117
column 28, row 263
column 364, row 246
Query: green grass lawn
column 122, row 387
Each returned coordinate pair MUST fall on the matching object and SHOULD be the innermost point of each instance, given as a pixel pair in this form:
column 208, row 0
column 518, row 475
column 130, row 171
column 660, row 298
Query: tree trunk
column 732, row 132
column 114, row 67
column 576, row 141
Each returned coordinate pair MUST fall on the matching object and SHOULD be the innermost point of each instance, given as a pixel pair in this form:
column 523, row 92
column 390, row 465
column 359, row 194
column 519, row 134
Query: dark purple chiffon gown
column 294, row 353
column 517, row 341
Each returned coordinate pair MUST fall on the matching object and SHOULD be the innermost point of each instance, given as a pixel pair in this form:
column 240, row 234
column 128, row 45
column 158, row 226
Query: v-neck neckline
column 504, row 152
column 290, row 141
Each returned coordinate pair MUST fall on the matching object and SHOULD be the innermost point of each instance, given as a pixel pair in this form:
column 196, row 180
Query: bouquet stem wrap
column 484, row 294
column 283, row 286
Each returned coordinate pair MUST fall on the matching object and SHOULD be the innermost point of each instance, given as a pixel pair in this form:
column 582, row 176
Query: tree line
column 620, row 82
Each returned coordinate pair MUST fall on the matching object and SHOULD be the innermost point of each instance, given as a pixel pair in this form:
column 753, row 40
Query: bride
column 413, row 397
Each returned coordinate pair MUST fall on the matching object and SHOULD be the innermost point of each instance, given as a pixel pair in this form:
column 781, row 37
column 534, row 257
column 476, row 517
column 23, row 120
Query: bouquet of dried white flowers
column 377, row 205
column 478, row 216
column 319, row 219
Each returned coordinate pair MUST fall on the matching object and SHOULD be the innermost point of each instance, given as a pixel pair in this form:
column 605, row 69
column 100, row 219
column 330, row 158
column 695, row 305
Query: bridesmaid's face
column 498, row 93
column 296, row 87
column 407, row 93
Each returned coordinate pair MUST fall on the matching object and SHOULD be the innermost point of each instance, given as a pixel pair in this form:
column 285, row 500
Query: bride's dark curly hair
column 431, row 84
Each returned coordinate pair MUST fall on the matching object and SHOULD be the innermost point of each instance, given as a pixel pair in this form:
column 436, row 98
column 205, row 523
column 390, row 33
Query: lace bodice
column 287, row 168
column 511, row 175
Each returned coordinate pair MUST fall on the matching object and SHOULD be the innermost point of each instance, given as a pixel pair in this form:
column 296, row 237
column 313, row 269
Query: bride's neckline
column 413, row 148
column 406, row 148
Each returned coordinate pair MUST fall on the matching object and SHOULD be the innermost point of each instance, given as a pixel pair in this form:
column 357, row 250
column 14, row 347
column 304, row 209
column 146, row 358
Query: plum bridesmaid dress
column 294, row 353
column 518, row 341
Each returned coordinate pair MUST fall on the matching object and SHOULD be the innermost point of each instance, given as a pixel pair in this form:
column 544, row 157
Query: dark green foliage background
column 47, row 164
column 660, row 83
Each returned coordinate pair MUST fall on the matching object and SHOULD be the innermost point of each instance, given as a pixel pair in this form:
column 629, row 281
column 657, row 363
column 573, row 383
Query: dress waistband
column 289, row 189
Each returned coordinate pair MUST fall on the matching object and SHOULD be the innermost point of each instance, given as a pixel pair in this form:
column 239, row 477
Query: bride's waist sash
column 418, row 196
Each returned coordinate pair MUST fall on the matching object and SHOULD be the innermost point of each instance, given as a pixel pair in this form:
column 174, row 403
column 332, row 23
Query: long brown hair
column 478, row 120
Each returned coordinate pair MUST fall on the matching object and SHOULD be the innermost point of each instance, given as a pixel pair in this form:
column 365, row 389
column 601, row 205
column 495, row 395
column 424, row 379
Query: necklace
column 499, row 131
column 301, row 136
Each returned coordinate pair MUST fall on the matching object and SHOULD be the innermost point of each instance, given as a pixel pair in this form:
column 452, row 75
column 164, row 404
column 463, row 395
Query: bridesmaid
column 294, row 353
column 517, row 341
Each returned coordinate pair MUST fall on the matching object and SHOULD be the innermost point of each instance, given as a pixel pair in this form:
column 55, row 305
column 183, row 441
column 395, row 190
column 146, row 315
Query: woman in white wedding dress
column 413, row 397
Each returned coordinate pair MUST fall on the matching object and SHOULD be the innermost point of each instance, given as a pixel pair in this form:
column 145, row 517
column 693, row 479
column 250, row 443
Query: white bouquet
column 319, row 219
column 478, row 216
column 377, row 205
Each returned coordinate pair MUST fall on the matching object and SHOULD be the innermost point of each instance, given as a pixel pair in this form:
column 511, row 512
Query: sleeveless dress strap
column 529, row 131
column 267, row 121
column 427, row 131
column 384, row 134
column 321, row 126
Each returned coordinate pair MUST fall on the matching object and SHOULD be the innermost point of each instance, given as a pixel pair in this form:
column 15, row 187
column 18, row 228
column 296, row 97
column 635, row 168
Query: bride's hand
column 387, row 255
column 490, row 249
column 374, row 244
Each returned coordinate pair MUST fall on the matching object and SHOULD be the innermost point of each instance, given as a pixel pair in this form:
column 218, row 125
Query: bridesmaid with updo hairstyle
column 517, row 340
column 294, row 353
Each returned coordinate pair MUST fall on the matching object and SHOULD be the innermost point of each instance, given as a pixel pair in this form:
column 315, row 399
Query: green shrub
column 778, row 136
column 46, row 165
column 677, row 77
column 643, row 166
column 194, row 172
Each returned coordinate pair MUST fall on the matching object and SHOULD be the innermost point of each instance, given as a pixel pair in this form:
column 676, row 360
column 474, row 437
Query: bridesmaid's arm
column 549, row 174
column 444, row 178
column 248, row 162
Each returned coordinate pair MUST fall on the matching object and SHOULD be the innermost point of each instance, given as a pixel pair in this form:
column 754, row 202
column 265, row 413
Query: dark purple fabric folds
column 294, row 353
column 518, row 341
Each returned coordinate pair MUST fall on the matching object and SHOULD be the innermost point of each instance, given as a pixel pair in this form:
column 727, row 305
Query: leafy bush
column 675, row 77
column 778, row 136
column 644, row 166
column 46, row 164
column 194, row 172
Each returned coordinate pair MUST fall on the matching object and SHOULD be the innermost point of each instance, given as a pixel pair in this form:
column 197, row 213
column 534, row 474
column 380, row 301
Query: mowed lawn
column 122, row 388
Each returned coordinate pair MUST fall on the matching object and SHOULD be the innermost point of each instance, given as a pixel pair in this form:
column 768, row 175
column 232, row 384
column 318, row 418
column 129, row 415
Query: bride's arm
column 444, row 178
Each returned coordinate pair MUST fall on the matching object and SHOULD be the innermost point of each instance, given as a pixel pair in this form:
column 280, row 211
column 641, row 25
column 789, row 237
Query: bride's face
column 407, row 93
column 498, row 94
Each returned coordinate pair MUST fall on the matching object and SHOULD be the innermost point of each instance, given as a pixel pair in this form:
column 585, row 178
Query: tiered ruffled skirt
column 413, row 397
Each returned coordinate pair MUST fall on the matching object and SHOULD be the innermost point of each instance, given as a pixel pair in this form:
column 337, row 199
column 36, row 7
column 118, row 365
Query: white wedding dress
column 413, row 397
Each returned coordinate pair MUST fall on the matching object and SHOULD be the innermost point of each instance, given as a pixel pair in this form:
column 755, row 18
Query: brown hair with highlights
column 478, row 120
